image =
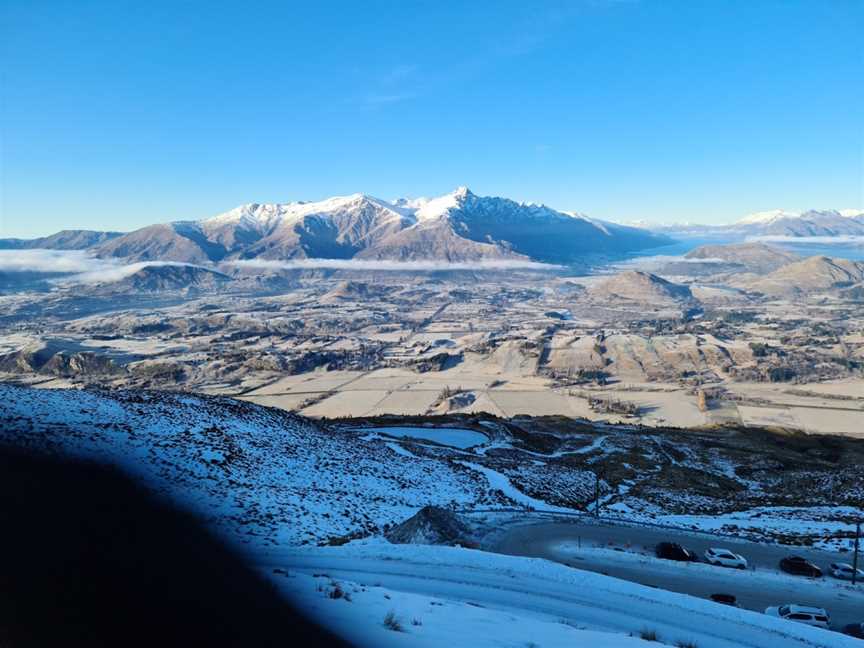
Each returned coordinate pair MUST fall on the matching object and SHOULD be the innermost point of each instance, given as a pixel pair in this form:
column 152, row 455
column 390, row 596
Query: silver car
column 845, row 571
column 802, row 614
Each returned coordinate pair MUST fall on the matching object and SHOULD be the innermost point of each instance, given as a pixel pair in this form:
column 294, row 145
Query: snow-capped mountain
column 459, row 226
column 776, row 222
column 780, row 222
column 766, row 217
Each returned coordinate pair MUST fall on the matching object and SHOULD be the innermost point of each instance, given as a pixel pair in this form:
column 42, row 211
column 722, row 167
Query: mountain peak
column 765, row 217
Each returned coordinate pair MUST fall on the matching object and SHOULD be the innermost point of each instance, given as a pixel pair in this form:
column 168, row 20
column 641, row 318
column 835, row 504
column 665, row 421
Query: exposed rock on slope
column 432, row 525
column 48, row 359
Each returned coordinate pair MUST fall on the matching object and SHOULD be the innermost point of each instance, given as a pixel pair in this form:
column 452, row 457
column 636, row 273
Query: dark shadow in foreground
column 89, row 558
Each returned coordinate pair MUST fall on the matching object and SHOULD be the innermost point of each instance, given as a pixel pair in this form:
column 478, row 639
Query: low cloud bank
column 118, row 273
column 844, row 239
column 78, row 266
column 48, row 261
column 385, row 265
column 660, row 260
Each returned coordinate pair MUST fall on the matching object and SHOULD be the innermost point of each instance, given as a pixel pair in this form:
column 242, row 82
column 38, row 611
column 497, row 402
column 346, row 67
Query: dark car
column 725, row 599
column 854, row 630
column 800, row 567
column 674, row 551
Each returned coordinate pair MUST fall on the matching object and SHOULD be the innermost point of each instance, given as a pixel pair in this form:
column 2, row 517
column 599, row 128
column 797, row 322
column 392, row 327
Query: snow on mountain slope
column 458, row 226
column 468, row 597
column 776, row 223
column 510, row 229
column 251, row 471
column 852, row 213
column 765, row 217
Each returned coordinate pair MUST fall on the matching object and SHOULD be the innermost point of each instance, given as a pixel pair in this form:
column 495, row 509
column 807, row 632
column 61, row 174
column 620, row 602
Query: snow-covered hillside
column 256, row 473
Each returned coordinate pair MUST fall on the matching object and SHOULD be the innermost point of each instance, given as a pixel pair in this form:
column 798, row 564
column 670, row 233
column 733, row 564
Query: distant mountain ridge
column 62, row 240
column 751, row 257
column 457, row 227
column 778, row 223
column 813, row 274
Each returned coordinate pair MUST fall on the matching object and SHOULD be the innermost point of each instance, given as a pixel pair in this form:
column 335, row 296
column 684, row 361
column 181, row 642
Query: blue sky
column 119, row 114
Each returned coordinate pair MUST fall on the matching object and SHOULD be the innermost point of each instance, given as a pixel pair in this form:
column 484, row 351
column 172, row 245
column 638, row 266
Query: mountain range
column 457, row 227
column 779, row 223
column 62, row 240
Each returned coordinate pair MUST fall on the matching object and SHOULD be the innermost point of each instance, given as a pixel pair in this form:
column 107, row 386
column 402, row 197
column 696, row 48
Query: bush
column 392, row 623
column 649, row 635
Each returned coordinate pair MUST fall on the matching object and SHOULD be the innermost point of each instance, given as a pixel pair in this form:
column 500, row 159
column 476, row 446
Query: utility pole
column 597, row 494
column 855, row 559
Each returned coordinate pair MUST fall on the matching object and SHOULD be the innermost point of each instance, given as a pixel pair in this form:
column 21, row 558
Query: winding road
column 629, row 556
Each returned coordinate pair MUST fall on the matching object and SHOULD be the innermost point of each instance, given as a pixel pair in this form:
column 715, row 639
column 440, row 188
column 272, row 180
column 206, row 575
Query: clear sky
column 119, row 114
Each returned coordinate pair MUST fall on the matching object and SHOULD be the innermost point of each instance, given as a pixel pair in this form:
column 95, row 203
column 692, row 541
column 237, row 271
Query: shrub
column 649, row 635
column 392, row 623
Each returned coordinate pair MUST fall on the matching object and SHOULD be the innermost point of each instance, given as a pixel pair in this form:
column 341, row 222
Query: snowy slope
column 496, row 600
column 256, row 473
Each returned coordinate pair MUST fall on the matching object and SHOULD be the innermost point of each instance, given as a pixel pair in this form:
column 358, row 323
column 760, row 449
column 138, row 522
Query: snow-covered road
column 576, row 544
column 542, row 589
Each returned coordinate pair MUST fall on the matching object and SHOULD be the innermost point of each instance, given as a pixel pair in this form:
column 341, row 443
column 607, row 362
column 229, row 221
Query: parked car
column 844, row 571
column 800, row 567
column 674, row 551
column 725, row 558
column 725, row 599
column 802, row 614
column 854, row 630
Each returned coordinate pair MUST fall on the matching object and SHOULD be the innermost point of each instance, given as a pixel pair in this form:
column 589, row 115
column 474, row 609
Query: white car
column 725, row 558
column 845, row 571
column 802, row 614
